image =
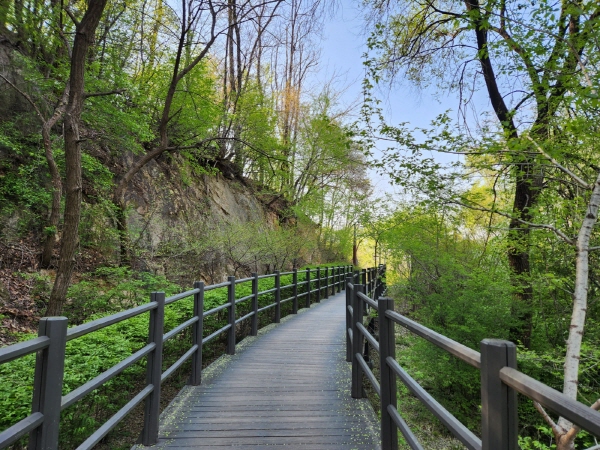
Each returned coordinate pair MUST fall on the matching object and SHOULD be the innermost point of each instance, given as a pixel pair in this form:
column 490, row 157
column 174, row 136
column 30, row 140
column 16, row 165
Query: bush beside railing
column 500, row 379
column 43, row 423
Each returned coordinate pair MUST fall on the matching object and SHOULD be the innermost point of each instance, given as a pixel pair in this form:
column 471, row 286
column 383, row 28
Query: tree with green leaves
column 84, row 38
column 536, row 64
column 529, row 58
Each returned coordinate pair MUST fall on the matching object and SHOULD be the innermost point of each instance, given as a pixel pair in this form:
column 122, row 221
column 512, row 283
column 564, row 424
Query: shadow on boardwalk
column 289, row 386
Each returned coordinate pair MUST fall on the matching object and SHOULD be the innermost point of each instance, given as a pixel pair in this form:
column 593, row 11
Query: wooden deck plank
column 288, row 387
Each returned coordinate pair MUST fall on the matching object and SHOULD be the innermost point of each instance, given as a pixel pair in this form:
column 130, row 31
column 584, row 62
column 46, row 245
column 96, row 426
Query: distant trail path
column 289, row 387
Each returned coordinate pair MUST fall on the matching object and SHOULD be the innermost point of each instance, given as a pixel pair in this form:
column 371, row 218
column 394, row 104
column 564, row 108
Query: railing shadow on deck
column 48, row 402
column 497, row 362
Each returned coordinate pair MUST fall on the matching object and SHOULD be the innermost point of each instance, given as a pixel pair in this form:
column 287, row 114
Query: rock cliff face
column 172, row 211
column 212, row 196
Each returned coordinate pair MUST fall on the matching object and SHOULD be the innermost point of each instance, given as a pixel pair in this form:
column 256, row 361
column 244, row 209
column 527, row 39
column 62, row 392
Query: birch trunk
column 565, row 433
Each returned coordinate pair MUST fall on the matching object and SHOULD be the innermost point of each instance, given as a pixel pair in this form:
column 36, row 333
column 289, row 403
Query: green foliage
column 447, row 283
column 22, row 185
column 111, row 289
column 249, row 247
column 195, row 107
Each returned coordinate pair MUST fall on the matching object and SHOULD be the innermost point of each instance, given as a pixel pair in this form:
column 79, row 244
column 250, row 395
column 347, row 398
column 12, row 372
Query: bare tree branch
column 552, row 228
column 102, row 94
column 555, row 428
column 579, row 180
column 26, row 97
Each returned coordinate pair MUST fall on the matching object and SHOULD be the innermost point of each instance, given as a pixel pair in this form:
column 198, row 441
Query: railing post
column 318, row 284
column 333, row 281
column 295, row 301
column 326, row 282
column 357, row 341
column 277, row 297
column 307, row 287
column 341, row 278
column 197, row 332
column 254, row 320
column 387, row 349
column 373, row 279
column 363, row 280
column 348, row 319
column 154, row 369
column 231, row 315
column 47, row 383
column 498, row 401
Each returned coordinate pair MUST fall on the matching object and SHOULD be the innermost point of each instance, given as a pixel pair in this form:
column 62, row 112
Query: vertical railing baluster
column 307, row 287
column 341, row 278
column 254, row 320
column 498, row 401
column 231, row 315
column 197, row 332
column 295, row 293
column 47, row 383
column 318, row 284
column 357, row 341
column 348, row 318
column 277, row 297
column 154, row 369
column 326, row 282
column 387, row 349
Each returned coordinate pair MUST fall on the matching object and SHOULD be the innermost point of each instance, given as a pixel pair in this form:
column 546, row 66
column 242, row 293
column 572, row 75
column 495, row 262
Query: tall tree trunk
column 51, row 228
column 123, row 230
column 70, row 236
column 525, row 187
column 354, row 249
column 528, row 185
column 566, row 431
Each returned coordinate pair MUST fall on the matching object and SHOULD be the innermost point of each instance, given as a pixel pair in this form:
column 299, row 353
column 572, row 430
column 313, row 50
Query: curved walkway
column 290, row 386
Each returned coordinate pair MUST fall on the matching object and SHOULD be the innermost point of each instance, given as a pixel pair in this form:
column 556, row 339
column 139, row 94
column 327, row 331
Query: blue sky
column 343, row 46
column 342, row 50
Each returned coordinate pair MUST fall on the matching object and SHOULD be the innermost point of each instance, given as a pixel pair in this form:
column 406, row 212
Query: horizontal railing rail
column 497, row 362
column 43, row 423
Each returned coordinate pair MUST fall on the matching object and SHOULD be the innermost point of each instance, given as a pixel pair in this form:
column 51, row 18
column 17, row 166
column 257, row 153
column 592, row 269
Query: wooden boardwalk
column 290, row 386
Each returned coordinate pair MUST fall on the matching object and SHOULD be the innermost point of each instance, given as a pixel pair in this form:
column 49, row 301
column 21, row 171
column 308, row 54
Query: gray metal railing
column 497, row 362
column 43, row 423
